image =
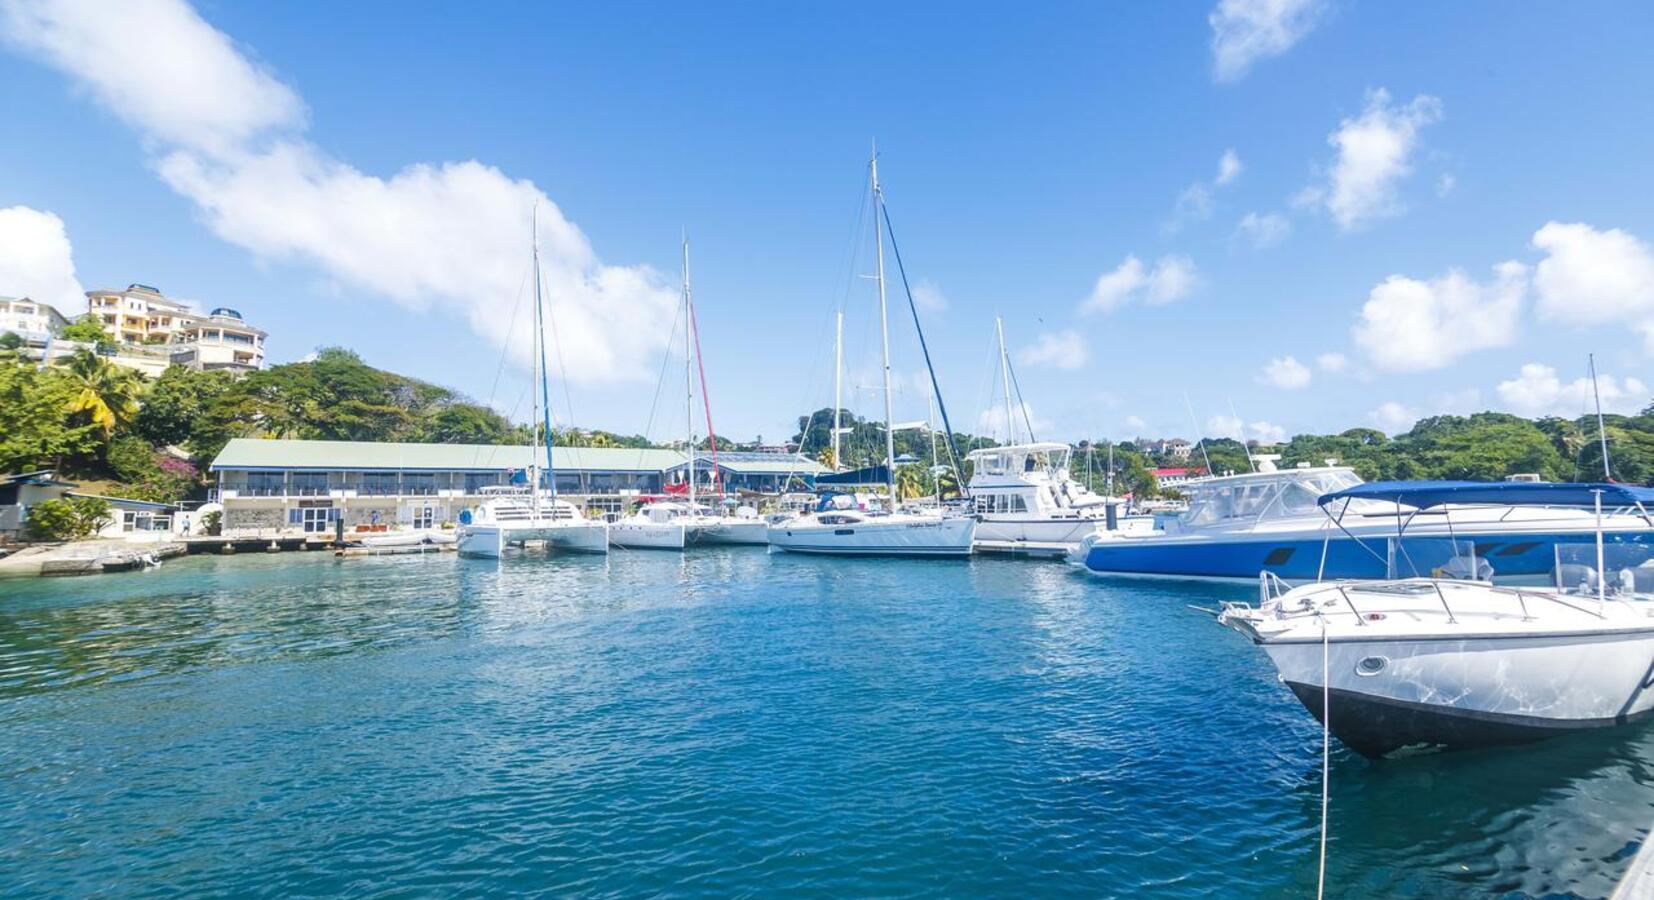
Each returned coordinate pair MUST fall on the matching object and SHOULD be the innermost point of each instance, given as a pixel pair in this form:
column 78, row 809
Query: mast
column 689, row 371
column 884, row 332
column 1005, row 379
column 1602, row 430
column 1110, row 481
column 542, row 397
column 838, row 386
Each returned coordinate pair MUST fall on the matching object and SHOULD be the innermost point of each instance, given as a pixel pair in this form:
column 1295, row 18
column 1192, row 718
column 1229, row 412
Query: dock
column 1023, row 549
column 1638, row 881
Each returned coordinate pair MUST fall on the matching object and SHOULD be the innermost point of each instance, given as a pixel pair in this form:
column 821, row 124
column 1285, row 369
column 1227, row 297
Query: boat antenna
column 884, row 331
column 1017, row 385
column 941, row 405
column 1244, row 445
column 1602, row 430
column 1005, row 382
column 1200, row 439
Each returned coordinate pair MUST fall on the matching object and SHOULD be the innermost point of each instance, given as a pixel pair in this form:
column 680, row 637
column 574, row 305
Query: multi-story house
column 220, row 340
column 141, row 316
column 138, row 315
column 35, row 322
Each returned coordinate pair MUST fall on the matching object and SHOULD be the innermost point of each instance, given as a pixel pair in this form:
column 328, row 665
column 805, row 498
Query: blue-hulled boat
column 1238, row 526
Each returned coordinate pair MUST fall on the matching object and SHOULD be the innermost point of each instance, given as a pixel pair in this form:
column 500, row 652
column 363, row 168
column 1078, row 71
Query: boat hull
column 755, row 531
column 1470, row 691
column 493, row 541
column 648, row 536
column 1299, row 559
column 936, row 537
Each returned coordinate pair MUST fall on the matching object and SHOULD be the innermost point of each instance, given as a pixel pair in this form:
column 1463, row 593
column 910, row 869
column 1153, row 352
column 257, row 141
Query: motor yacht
column 842, row 527
column 1271, row 520
column 1023, row 493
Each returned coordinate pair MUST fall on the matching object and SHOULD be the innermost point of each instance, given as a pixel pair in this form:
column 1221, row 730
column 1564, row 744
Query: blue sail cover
column 879, row 474
column 1425, row 494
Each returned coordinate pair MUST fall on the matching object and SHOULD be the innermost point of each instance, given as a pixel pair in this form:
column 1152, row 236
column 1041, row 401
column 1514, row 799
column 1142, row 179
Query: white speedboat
column 656, row 526
column 515, row 517
column 743, row 527
column 857, row 532
column 1022, row 493
column 1459, row 663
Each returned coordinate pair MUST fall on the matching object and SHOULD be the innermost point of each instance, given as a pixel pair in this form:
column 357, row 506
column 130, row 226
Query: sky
column 1248, row 218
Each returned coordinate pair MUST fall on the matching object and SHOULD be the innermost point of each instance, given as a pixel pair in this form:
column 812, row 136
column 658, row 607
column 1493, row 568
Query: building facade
column 153, row 330
column 35, row 322
column 308, row 486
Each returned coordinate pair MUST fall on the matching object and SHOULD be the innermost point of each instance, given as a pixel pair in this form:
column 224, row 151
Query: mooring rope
column 1326, row 752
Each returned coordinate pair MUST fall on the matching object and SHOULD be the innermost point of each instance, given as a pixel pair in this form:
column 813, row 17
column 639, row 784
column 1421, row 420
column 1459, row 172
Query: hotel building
column 173, row 332
column 35, row 322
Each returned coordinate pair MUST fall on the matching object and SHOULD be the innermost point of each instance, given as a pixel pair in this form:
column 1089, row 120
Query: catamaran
column 1271, row 520
column 856, row 532
column 1458, row 661
column 671, row 525
column 515, row 515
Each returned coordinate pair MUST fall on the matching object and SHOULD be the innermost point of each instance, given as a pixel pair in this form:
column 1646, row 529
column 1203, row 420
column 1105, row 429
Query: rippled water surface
column 725, row 722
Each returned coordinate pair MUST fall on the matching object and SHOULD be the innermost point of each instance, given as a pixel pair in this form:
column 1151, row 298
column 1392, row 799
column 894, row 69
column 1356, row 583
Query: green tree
column 88, row 330
column 176, row 402
column 106, row 393
column 466, row 423
column 68, row 518
column 35, row 428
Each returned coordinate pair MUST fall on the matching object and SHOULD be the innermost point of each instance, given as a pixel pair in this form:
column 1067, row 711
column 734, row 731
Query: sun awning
column 1425, row 494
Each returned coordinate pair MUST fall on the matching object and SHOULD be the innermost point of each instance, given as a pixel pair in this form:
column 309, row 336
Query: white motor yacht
column 659, row 526
column 1023, row 493
column 838, row 528
column 1461, row 662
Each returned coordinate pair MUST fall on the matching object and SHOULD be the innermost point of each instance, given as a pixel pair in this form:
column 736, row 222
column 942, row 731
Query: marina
column 727, row 721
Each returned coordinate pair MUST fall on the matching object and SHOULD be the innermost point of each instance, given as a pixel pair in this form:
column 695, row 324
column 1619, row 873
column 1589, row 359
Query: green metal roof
column 255, row 453
column 770, row 464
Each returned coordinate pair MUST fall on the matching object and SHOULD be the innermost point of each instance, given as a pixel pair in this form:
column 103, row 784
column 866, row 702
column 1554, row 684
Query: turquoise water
column 725, row 722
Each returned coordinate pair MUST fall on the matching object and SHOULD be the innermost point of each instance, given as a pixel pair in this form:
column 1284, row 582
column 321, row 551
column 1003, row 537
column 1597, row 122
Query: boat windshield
column 1279, row 495
column 1020, row 459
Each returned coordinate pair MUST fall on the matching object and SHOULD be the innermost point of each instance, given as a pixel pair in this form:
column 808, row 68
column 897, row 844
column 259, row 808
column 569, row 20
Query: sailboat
column 835, row 527
column 669, row 524
column 514, row 515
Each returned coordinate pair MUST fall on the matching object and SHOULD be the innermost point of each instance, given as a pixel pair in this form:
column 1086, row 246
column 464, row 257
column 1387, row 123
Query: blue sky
column 1427, row 208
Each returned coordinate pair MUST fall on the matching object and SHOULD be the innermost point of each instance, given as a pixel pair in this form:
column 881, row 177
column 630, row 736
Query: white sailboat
column 670, row 525
column 515, row 515
column 857, row 532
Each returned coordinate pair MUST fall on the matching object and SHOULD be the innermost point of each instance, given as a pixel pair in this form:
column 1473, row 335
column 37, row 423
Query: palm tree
column 909, row 483
column 106, row 391
column 827, row 459
column 600, row 439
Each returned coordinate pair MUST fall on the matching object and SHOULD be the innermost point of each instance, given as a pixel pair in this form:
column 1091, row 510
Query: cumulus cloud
column 1392, row 417
column 1134, row 423
column 1172, row 278
column 1246, row 31
column 1286, row 373
column 1408, row 325
column 1333, row 362
column 928, row 297
column 1538, row 391
column 1235, row 428
column 1229, row 167
column 1594, row 277
column 1374, row 154
column 1056, row 350
column 37, row 261
column 1263, row 231
column 452, row 236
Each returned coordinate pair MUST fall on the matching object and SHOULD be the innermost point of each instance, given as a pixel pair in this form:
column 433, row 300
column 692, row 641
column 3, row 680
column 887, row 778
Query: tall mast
column 1602, row 430
column 1005, row 378
column 689, row 370
column 838, row 385
column 538, row 354
column 884, row 332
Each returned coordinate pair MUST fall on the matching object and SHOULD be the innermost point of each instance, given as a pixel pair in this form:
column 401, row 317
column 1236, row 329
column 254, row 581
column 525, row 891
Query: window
column 419, row 483
column 264, row 484
column 379, row 483
column 308, row 484
column 424, row 517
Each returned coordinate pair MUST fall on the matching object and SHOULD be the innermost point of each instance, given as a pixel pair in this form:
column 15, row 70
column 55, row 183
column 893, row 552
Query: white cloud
column 1286, row 373
column 928, row 297
column 1056, row 350
column 1234, row 428
column 1332, row 362
column 992, row 422
column 1445, row 184
column 1375, row 152
column 1264, row 231
column 1135, row 423
column 1245, row 31
column 1592, row 277
column 37, row 261
column 1537, row 391
column 1392, row 417
column 1172, row 278
column 1409, row 325
column 450, row 236
column 1229, row 167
